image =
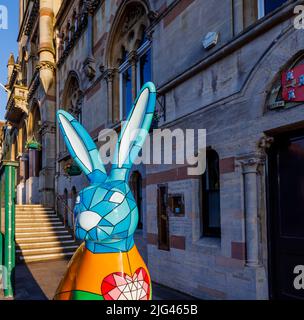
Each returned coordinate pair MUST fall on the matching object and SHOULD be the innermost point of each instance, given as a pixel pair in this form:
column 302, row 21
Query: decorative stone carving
column 89, row 68
column 265, row 143
column 76, row 103
column 46, row 71
column 133, row 15
column 32, row 18
column 48, row 127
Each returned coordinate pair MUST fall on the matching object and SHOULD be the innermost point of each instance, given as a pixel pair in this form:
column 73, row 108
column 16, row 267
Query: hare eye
column 117, row 197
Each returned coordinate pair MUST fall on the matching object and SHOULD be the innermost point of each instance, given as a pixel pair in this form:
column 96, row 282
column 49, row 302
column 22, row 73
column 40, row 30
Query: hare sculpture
column 107, row 266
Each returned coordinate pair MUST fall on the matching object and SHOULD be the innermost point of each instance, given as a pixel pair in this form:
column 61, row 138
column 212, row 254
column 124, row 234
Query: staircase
column 41, row 235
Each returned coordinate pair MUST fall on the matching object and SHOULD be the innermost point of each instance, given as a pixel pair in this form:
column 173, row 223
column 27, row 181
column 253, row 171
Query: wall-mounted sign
column 176, row 204
column 210, row 40
column 293, row 84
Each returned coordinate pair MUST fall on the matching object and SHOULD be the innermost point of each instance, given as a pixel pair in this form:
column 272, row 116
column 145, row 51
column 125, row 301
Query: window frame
column 144, row 48
column 207, row 231
column 261, row 8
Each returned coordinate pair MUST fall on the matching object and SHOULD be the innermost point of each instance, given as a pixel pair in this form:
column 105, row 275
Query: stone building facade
column 212, row 236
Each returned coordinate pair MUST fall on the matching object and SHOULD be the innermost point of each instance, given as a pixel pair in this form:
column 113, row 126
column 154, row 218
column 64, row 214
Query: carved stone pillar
column 109, row 76
column 89, row 65
column 24, row 167
column 250, row 165
column 23, row 172
column 47, row 174
column 46, row 64
column 33, row 163
column 133, row 62
column 32, row 183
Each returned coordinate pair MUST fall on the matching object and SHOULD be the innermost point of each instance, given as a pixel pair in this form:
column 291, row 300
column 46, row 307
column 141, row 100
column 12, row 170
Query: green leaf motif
column 83, row 295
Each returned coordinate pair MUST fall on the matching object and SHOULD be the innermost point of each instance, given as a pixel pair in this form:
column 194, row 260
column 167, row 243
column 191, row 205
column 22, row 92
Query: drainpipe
column 46, row 64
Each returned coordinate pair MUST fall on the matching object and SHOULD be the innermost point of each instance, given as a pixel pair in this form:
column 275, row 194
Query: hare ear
column 134, row 132
column 81, row 147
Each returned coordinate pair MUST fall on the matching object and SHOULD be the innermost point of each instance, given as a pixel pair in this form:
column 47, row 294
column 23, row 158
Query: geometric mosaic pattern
column 118, row 220
column 106, row 213
column 118, row 286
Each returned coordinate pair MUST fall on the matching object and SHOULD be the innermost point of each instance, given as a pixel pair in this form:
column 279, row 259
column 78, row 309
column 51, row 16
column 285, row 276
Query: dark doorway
column 286, row 214
column 162, row 217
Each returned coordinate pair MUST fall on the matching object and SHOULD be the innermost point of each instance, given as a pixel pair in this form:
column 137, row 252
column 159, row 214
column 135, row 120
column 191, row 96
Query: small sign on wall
column 293, row 84
column 176, row 204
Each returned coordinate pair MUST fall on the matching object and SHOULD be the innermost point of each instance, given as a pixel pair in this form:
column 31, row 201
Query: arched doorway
column 34, row 142
column 35, row 155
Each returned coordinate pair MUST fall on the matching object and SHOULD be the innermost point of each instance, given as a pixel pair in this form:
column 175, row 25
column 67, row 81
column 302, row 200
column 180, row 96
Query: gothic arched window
column 130, row 58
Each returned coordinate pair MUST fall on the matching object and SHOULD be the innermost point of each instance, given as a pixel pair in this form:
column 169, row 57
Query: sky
column 8, row 44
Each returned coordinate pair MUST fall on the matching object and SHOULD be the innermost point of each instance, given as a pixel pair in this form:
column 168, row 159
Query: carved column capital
column 133, row 57
column 109, row 74
column 91, row 6
column 48, row 127
column 251, row 162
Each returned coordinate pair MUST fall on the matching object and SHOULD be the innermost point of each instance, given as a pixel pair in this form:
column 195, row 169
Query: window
column 126, row 90
column 144, row 67
column 128, row 58
column 162, row 218
column 136, row 187
column 267, row 6
column 143, row 71
column 211, row 210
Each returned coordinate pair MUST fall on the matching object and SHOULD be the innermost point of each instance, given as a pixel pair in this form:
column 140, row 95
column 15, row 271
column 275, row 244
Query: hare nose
column 89, row 220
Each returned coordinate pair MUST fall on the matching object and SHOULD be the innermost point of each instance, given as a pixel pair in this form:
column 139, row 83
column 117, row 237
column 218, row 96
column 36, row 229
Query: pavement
column 39, row 281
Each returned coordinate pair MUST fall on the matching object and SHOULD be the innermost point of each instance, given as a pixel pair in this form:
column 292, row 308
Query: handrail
column 69, row 212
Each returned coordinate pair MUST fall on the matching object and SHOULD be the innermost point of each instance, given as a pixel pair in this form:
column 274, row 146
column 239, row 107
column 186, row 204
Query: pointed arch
column 72, row 100
column 126, row 44
column 117, row 26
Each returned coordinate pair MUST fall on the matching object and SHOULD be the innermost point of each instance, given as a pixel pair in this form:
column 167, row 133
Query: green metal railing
column 7, row 225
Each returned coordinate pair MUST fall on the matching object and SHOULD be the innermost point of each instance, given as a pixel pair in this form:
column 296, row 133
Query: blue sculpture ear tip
column 151, row 86
column 64, row 114
column 61, row 112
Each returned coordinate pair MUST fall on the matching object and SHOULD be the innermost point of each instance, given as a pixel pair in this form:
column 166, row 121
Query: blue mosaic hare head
column 106, row 214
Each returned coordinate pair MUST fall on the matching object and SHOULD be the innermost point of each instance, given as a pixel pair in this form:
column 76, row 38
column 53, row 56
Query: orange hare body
column 90, row 277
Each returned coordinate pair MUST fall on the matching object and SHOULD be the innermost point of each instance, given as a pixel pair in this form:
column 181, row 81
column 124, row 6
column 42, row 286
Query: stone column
column 133, row 62
column 250, row 172
column 47, row 175
column 46, row 64
column 109, row 78
column 32, row 184
column 33, row 163
column 89, row 66
column 24, row 173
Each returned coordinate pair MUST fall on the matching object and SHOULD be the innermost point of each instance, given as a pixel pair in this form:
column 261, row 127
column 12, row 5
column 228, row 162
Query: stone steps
column 41, row 235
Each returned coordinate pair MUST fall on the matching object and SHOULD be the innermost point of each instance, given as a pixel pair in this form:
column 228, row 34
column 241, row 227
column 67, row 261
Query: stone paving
column 39, row 281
